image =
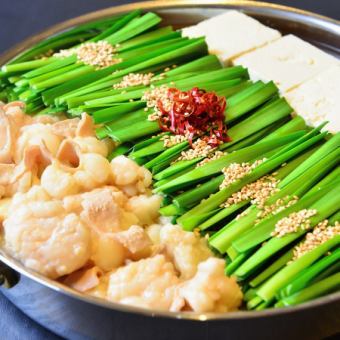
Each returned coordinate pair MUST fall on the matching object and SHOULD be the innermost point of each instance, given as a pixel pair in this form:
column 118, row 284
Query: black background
column 22, row 18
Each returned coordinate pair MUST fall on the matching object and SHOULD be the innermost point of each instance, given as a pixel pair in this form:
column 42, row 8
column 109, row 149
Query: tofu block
column 231, row 34
column 318, row 99
column 288, row 61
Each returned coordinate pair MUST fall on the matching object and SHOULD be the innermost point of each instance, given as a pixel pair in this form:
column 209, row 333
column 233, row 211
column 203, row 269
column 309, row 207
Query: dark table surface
column 22, row 18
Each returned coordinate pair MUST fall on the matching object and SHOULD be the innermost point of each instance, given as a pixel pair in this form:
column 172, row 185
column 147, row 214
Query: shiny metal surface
column 60, row 288
column 75, row 319
column 323, row 32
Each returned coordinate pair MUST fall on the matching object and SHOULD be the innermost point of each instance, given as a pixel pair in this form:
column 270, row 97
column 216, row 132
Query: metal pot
column 74, row 315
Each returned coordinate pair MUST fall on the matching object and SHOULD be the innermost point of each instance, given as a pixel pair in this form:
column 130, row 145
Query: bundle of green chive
column 259, row 125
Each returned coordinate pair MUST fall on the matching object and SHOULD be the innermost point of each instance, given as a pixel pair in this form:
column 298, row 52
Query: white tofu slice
column 288, row 61
column 231, row 34
column 318, row 99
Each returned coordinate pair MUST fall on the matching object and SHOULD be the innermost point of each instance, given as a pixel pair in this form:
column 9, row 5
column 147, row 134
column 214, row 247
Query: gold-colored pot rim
column 278, row 10
column 332, row 24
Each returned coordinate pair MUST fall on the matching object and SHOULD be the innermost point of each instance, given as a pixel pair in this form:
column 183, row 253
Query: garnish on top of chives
column 134, row 79
column 274, row 208
column 199, row 148
column 293, row 222
column 152, row 97
column 191, row 113
column 171, row 140
column 320, row 234
column 236, row 171
column 99, row 54
column 211, row 157
column 257, row 192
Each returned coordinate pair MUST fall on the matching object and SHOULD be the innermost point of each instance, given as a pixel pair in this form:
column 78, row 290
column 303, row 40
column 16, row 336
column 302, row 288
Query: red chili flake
column 194, row 113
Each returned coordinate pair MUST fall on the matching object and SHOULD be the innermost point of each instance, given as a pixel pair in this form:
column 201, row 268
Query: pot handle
column 8, row 276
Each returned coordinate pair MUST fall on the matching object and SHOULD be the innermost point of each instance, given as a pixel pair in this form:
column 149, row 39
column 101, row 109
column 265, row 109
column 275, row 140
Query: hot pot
column 77, row 316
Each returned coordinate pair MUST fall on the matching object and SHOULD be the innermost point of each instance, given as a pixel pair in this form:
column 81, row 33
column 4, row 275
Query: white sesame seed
column 279, row 205
column 211, row 157
column 257, row 192
column 236, row 171
column 65, row 53
column 294, row 222
column 242, row 214
column 200, row 148
column 134, row 79
column 171, row 140
column 152, row 96
column 100, row 54
column 321, row 233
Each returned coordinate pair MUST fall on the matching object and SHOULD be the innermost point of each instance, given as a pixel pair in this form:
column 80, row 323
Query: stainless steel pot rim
column 274, row 9
column 330, row 24
column 61, row 288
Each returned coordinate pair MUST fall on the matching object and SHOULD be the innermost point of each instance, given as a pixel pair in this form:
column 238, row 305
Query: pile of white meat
column 71, row 215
